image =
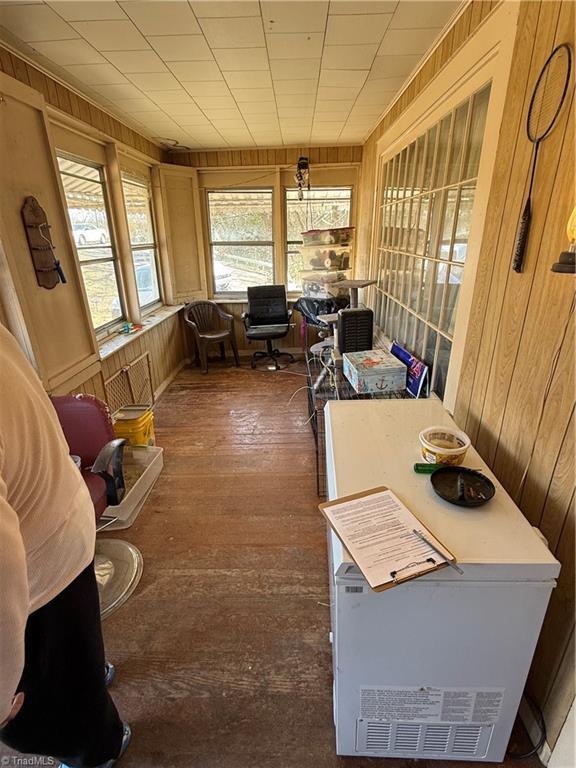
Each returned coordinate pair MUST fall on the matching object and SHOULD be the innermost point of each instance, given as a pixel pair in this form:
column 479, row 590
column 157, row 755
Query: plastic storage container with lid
column 136, row 424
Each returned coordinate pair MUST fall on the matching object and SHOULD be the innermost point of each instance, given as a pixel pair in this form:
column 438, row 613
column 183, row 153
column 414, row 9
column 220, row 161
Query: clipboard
column 384, row 538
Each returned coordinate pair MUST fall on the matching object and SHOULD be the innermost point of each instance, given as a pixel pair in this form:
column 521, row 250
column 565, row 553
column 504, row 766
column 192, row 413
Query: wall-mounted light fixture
column 567, row 262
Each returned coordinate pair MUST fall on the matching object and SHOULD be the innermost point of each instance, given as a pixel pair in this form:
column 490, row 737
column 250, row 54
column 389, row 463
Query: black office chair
column 268, row 318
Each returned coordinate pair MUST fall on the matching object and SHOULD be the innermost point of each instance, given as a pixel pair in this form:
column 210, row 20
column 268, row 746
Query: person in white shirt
column 53, row 696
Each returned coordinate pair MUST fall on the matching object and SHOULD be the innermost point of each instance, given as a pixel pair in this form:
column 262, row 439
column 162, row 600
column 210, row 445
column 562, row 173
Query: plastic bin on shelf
column 323, row 285
column 335, row 257
column 332, row 236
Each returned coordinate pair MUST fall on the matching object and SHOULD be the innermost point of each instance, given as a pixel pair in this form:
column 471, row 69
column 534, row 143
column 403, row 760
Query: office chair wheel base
column 271, row 355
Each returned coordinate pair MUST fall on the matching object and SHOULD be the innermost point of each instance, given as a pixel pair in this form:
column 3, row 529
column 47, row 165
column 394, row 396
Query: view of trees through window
column 426, row 209
column 85, row 198
column 321, row 208
column 241, row 239
column 142, row 240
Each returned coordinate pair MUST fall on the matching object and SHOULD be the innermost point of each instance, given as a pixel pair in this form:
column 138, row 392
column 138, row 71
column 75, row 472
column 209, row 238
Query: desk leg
column 354, row 298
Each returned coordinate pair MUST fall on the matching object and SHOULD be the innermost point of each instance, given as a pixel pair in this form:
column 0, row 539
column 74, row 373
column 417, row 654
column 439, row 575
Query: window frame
column 236, row 295
column 287, row 243
column 111, row 326
column 126, row 178
column 399, row 317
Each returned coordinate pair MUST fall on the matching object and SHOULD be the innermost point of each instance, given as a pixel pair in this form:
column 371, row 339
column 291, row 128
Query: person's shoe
column 109, row 673
column 126, row 739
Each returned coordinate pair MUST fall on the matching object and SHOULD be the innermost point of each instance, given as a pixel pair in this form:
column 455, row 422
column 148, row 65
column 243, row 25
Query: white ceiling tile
column 289, row 112
column 119, row 92
column 111, row 35
column 84, row 10
column 298, row 69
column 349, row 56
column 196, row 71
column 230, row 113
column 189, row 121
column 343, row 77
column 294, row 122
column 66, row 52
column 207, row 89
column 181, row 47
column 229, row 124
column 215, row 102
column 356, row 30
column 241, row 59
column 329, row 93
column 33, row 23
column 250, row 79
column 421, row 14
column 155, row 81
column 296, row 45
column 233, row 33
column 385, row 84
column 267, row 139
column 222, row 9
column 163, row 18
column 393, row 66
column 145, row 114
column 96, row 74
column 332, row 106
column 295, row 86
column 367, row 109
column 165, row 98
column 382, row 98
column 294, row 16
column 131, row 62
column 253, row 94
column 139, row 105
column 398, row 42
column 184, row 109
column 362, row 6
column 295, row 100
column 258, row 107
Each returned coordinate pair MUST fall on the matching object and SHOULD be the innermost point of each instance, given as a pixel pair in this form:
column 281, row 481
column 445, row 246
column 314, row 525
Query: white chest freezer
column 435, row 667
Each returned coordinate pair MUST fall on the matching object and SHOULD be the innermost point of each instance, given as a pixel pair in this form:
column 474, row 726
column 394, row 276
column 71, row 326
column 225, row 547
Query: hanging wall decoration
column 46, row 265
column 302, row 176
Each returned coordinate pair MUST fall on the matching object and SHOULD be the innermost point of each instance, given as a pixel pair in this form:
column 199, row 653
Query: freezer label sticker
column 431, row 704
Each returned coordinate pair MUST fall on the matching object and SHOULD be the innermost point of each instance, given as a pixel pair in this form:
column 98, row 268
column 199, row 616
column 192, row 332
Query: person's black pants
column 67, row 713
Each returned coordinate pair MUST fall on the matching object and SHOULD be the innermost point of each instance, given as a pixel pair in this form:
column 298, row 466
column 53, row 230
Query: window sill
column 113, row 344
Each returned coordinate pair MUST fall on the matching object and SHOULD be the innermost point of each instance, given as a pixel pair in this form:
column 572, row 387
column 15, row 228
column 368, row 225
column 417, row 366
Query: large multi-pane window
column 87, row 207
column 142, row 240
column 241, row 239
column 321, row 208
column 426, row 207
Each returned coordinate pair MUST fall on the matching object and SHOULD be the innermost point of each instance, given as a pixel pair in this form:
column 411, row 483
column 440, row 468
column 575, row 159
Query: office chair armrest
column 108, row 466
column 245, row 317
column 289, row 314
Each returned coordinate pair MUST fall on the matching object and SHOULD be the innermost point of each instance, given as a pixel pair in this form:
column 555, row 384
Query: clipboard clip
column 393, row 574
column 449, row 562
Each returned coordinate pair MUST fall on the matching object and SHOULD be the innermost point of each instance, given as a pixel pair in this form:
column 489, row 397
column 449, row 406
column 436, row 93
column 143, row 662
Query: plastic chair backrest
column 204, row 314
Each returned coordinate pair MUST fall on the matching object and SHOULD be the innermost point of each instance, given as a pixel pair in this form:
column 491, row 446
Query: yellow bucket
column 135, row 423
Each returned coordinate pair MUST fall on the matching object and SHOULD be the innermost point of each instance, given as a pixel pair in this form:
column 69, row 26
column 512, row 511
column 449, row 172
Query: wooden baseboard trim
column 170, row 378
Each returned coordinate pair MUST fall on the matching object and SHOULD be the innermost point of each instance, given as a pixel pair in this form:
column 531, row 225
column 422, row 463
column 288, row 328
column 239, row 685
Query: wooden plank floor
column 222, row 654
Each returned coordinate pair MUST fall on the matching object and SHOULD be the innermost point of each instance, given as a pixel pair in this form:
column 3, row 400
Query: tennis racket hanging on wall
column 545, row 106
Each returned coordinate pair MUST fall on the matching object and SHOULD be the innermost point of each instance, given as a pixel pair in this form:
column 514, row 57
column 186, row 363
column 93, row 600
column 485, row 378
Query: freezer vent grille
column 378, row 736
column 436, row 738
column 407, row 737
column 388, row 739
column 466, row 739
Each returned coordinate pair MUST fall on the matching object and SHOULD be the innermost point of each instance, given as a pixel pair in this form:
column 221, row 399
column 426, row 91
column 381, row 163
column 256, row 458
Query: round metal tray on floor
column 118, row 566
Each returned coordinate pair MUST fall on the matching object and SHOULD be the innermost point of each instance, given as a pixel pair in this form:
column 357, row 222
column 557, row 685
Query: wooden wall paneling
column 560, row 494
column 561, row 696
column 558, row 625
column 272, row 156
column 552, row 203
column 499, row 210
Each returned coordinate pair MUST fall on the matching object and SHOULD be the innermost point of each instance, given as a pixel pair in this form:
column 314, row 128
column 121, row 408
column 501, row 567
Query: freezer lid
column 370, row 443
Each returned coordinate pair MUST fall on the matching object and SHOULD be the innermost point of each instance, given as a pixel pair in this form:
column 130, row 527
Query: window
column 87, row 207
column 426, row 207
column 142, row 240
column 321, row 208
column 241, row 239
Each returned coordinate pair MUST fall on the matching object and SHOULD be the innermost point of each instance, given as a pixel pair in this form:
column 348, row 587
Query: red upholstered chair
column 88, row 429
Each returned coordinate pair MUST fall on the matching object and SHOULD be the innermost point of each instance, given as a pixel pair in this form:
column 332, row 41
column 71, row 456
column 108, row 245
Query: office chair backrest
column 267, row 305
column 355, row 329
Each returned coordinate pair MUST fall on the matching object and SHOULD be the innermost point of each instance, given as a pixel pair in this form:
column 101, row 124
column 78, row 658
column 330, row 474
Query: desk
column 433, row 668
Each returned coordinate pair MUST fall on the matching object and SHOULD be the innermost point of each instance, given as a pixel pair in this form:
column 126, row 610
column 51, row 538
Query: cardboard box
column 374, row 371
